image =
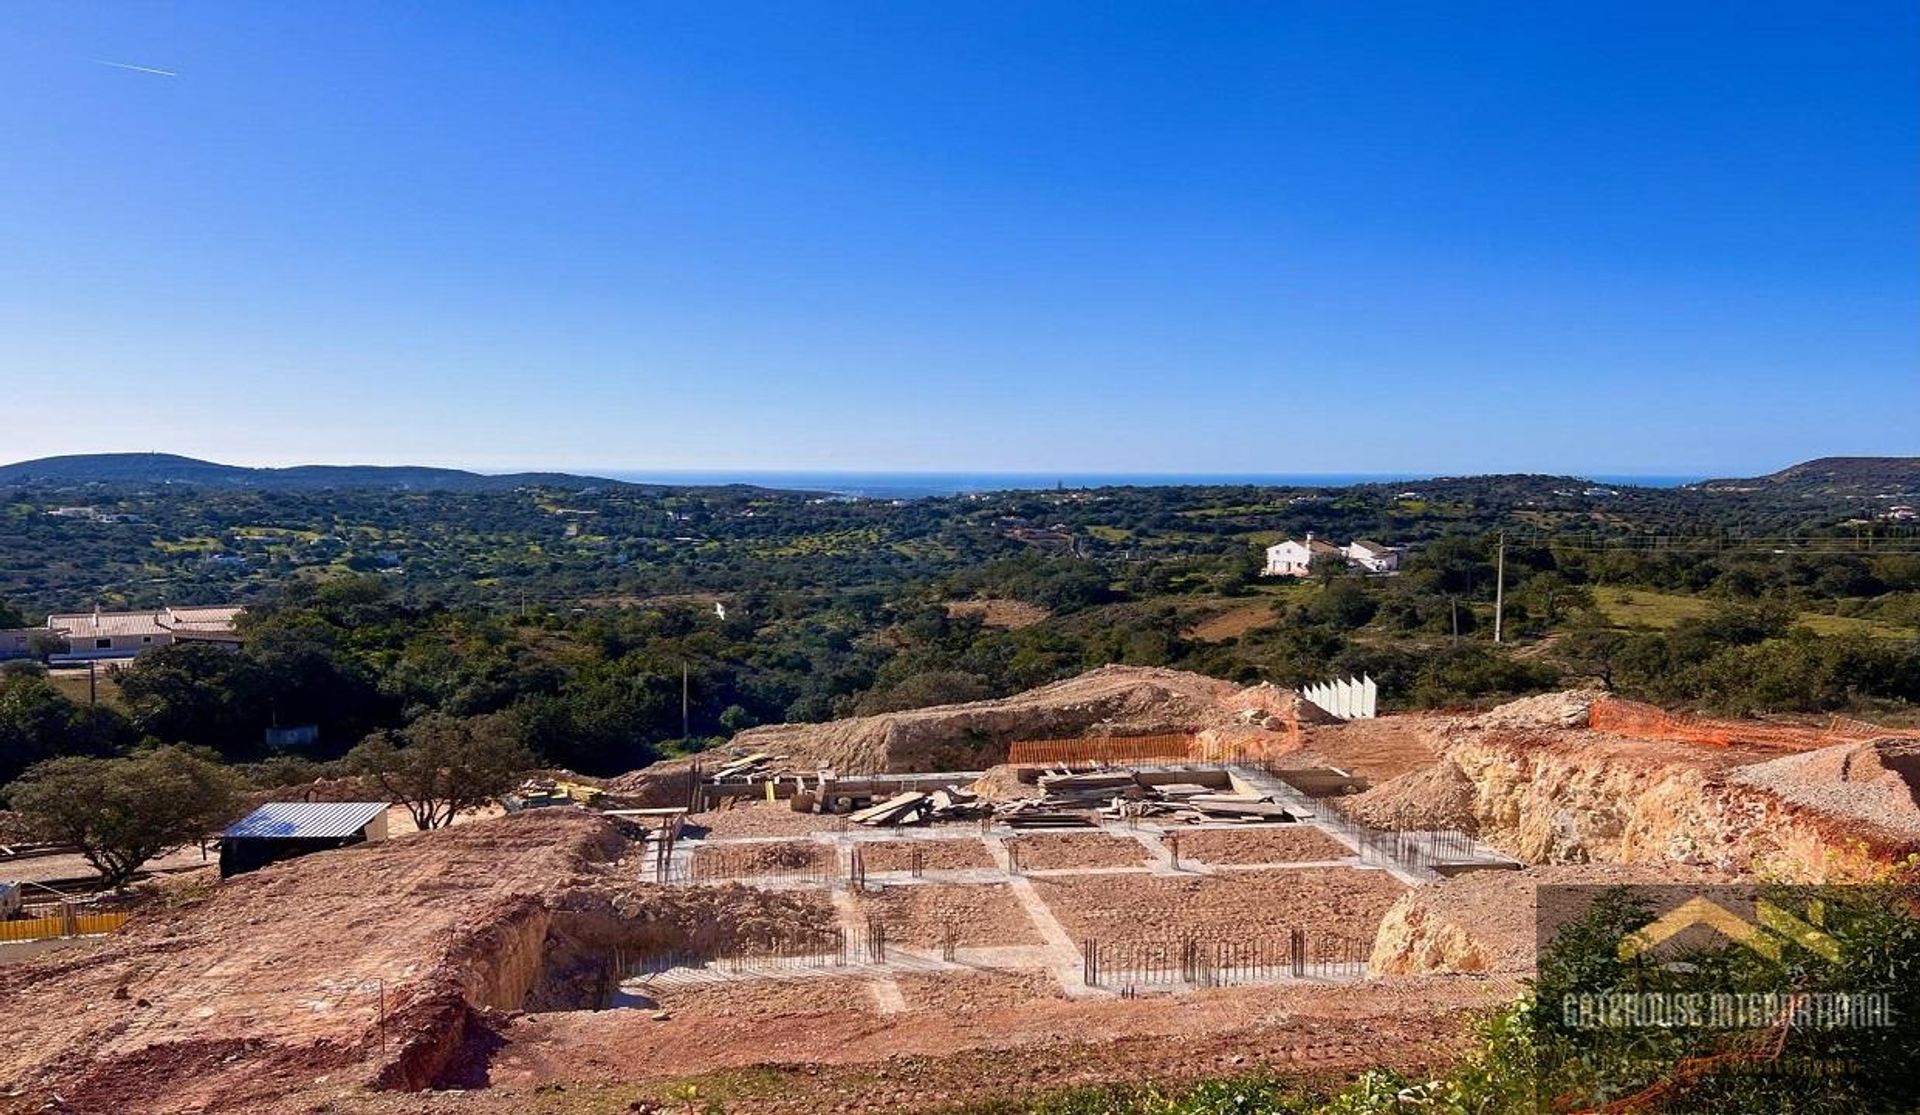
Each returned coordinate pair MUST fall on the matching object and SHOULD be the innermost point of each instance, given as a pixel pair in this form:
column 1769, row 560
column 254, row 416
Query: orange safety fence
column 40, row 929
column 1102, row 749
column 1630, row 718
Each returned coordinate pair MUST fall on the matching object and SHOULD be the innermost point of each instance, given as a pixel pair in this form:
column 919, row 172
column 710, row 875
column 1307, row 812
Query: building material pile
column 914, row 807
column 747, row 768
column 1068, row 797
column 546, row 793
column 1207, row 805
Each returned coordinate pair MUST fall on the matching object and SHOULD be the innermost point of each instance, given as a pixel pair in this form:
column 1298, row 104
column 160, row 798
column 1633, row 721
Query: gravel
column 1042, row 853
column 1437, row 797
column 1876, row 782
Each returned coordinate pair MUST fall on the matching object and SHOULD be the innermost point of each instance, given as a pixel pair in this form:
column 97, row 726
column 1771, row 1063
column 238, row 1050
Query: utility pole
column 1454, row 603
column 1499, row 586
column 685, row 732
column 93, row 693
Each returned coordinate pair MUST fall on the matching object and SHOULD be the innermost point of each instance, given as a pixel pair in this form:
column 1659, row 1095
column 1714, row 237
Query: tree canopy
column 121, row 812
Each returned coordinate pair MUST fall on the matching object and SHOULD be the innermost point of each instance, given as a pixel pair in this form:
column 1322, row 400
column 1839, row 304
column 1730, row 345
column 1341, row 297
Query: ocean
column 919, row 485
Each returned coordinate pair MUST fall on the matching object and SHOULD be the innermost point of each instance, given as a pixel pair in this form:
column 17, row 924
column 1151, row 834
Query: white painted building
column 1295, row 559
column 1372, row 556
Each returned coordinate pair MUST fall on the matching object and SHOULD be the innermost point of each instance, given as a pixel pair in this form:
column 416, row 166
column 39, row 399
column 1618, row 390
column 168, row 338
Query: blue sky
column 1274, row 237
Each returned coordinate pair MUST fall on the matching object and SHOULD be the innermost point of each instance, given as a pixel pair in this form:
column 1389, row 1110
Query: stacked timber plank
column 1092, row 787
column 1206, row 805
column 746, row 768
column 915, row 807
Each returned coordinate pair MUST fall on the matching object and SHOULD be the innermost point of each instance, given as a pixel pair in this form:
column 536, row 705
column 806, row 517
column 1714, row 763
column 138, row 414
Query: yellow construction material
column 41, row 929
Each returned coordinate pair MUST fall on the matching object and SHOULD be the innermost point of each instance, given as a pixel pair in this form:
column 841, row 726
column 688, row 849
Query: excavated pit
column 590, row 929
column 563, row 955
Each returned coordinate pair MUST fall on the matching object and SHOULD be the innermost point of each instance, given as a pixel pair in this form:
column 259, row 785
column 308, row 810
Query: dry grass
column 1005, row 615
column 1636, row 607
column 72, row 685
column 1234, row 622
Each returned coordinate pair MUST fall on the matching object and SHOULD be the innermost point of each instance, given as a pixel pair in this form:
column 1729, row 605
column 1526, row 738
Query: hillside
column 1109, row 700
column 1829, row 476
column 167, row 468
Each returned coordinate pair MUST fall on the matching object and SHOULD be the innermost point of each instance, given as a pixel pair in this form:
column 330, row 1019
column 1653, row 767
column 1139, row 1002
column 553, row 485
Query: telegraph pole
column 1499, row 586
column 684, row 729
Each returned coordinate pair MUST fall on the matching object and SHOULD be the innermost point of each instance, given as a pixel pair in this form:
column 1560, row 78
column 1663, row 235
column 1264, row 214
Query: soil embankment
column 286, row 975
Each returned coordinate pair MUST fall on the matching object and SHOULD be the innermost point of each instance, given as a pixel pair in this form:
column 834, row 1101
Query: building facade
column 1372, row 556
column 1295, row 559
column 125, row 634
column 1292, row 558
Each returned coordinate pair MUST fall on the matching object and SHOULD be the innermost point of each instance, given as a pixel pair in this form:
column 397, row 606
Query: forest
column 580, row 617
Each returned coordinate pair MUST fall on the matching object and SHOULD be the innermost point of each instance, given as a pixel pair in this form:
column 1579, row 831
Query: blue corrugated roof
column 305, row 820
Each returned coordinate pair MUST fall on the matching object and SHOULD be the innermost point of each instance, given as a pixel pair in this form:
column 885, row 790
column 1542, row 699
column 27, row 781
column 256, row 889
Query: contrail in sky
column 131, row 66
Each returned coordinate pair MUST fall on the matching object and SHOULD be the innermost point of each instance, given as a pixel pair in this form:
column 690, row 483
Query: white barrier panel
column 1351, row 699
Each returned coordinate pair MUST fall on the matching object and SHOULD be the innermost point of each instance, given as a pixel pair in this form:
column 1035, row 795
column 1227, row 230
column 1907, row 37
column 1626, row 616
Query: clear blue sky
column 1291, row 237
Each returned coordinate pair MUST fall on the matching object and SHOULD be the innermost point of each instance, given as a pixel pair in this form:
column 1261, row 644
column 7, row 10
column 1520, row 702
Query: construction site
column 1133, row 874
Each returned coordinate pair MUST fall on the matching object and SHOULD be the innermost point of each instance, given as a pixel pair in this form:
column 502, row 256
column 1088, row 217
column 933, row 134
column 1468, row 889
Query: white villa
column 1372, row 556
column 1295, row 559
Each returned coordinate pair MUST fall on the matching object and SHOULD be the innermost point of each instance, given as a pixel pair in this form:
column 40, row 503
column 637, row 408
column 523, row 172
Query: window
column 103, row 644
column 146, row 638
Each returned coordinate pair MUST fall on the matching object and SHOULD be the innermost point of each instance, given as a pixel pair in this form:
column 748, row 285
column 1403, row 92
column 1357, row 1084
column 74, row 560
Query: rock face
column 1489, row 921
column 1554, row 794
column 1112, row 700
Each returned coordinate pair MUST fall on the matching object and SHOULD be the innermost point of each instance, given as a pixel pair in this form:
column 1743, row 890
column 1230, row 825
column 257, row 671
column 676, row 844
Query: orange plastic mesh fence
column 1101, row 749
column 1630, row 718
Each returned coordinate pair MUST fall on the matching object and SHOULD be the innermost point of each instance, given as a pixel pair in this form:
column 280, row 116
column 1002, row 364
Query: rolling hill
column 148, row 469
column 1856, row 476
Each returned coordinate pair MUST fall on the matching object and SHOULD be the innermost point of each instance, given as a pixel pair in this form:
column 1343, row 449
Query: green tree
column 122, row 812
column 1344, row 604
column 44, row 644
column 38, row 722
column 195, row 693
column 440, row 766
column 923, row 690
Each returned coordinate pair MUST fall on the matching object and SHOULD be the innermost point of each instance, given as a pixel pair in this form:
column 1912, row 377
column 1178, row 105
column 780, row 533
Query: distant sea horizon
column 921, row 485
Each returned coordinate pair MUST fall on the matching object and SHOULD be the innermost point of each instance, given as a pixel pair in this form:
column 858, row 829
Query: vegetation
column 440, row 766
column 121, row 812
column 578, row 618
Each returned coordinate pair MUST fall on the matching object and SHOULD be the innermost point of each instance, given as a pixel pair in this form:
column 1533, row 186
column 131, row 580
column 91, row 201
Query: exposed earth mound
column 1436, row 797
column 1112, row 700
column 284, row 975
column 1489, row 921
column 1532, row 779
